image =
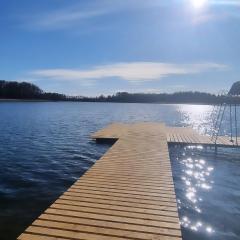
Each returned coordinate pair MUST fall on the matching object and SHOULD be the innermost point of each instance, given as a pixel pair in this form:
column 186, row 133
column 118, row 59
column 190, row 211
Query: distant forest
column 29, row 91
column 26, row 91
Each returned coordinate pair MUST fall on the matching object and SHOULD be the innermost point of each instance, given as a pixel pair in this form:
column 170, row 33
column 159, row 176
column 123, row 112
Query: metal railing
column 218, row 113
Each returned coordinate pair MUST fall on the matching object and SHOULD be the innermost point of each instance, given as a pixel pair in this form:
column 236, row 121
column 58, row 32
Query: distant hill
column 29, row 91
column 235, row 89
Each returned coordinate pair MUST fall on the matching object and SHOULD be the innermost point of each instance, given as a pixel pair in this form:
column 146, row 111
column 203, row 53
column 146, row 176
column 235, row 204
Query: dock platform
column 127, row 194
column 175, row 135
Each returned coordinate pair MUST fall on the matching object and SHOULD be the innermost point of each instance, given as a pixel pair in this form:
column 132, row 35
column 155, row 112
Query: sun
column 199, row 3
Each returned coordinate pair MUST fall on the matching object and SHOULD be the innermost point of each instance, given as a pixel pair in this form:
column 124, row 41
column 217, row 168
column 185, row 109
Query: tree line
column 177, row 97
column 29, row 91
column 26, row 91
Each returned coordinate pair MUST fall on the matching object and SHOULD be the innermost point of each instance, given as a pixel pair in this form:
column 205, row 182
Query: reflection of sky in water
column 207, row 192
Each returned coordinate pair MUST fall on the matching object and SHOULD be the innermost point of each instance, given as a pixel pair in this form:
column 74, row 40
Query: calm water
column 45, row 147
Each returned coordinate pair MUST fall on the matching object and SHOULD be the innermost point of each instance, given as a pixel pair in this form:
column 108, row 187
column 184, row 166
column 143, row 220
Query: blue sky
column 90, row 47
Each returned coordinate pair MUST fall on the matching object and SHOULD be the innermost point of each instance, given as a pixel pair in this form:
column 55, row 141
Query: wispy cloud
column 62, row 19
column 71, row 15
column 65, row 19
column 130, row 71
column 76, row 14
column 226, row 2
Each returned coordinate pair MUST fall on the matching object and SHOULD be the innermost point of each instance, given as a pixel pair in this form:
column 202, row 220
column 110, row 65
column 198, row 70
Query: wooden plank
column 89, row 199
column 115, row 225
column 108, row 231
column 126, row 186
column 116, row 207
column 114, row 218
column 122, row 199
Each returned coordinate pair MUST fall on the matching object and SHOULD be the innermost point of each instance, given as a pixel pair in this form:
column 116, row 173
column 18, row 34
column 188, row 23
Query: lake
column 46, row 146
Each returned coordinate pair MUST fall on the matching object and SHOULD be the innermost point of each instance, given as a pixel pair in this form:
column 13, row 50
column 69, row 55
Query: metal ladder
column 217, row 121
column 218, row 115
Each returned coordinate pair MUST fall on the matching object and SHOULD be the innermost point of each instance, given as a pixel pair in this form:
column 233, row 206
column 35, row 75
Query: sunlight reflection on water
column 196, row 175
column 202, row 180
column 197, row 116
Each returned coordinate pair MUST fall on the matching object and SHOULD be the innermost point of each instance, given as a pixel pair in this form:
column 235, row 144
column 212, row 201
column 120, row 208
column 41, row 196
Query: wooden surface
column 127, row 194
column 175, row 135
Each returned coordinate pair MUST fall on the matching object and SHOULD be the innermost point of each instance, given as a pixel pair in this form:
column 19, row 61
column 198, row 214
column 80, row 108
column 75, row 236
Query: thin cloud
column 226, row 2
column 76, row 14
column 132, row 72
column 68, row 17
column 72, row 15
column 63, row 19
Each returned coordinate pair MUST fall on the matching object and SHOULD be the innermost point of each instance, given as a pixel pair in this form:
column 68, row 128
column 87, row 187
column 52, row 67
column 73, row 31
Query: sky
column 93, row 47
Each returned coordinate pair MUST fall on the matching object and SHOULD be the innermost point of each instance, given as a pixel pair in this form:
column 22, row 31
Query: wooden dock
column 127, row 194
column 175, row 135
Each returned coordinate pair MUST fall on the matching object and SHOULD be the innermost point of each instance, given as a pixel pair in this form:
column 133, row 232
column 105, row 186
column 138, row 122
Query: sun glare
column 199, row 3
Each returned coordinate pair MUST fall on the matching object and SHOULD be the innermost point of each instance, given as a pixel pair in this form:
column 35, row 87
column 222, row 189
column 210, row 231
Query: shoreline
column 39, row 100
column 26, row 100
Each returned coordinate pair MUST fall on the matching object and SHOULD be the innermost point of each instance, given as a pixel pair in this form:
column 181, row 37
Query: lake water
column 45, row 147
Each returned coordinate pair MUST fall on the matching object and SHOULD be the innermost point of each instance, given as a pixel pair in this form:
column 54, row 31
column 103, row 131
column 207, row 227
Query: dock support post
column 216, row 148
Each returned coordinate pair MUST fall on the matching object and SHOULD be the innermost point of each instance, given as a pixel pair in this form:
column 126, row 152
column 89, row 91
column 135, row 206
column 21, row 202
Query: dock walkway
column 175, row 135
column 127, row 194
